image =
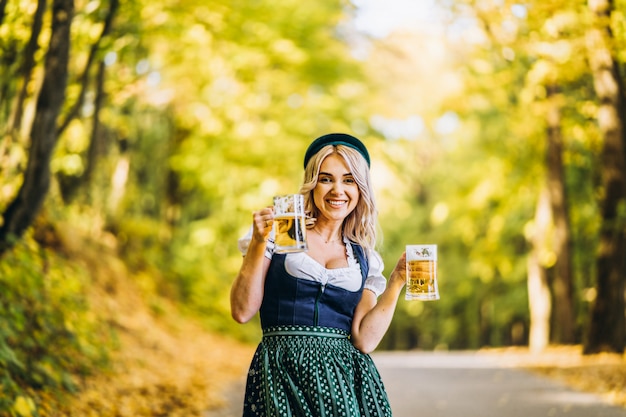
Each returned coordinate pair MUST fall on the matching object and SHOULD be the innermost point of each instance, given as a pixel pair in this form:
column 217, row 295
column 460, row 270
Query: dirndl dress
column 306, row 365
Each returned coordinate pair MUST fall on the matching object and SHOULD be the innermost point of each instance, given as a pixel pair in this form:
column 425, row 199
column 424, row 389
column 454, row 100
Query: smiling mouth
column 337, row 204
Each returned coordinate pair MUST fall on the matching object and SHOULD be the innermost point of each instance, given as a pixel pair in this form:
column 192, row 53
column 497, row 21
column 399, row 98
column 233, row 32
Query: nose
column 337, row 188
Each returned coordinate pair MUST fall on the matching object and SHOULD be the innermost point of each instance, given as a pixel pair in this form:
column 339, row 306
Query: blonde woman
column 322, row 311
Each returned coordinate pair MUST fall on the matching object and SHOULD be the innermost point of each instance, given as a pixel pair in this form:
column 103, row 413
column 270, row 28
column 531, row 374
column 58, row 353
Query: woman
column 321, row 311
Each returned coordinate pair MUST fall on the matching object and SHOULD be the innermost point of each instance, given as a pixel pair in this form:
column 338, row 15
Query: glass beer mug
column 289, row 223
column 421, row 272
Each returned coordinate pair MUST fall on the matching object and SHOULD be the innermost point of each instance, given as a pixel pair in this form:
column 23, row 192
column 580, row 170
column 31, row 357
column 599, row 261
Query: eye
column 324, row 180
column 349, row 180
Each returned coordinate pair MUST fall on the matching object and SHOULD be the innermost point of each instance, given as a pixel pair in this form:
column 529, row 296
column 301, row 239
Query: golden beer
column 421, row 276
column 290, row 234
column 421, row 272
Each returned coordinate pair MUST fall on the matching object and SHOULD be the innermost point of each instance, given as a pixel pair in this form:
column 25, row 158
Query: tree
column 606, row 332
column 564, row 330
column 43, row 136
column 70, row 184
column 28, row 65
column 529, row 44
column 539, row 297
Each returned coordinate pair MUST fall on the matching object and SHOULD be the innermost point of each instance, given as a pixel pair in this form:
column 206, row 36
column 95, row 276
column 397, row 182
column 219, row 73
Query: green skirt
column 312, row 372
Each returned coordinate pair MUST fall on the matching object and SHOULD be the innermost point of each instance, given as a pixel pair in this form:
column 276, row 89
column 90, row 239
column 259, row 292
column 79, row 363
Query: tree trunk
column 85, row 77
column 73, row 186
column 96, row 147
column 23, row 209
column 563, row 328
column 3, row 6
column 606, row 332
column 539, row 301
column 29, row 63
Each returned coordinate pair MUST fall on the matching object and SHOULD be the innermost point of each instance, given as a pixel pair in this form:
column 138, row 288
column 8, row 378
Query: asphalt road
column 463, row 384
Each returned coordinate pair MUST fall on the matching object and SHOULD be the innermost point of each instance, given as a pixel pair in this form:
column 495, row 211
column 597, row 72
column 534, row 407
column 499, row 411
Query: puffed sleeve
column 244, row 242
column 375, row 280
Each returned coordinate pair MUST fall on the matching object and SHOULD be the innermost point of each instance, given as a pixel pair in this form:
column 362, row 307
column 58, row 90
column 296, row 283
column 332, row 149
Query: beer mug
column 289, row 223
column 421, row 272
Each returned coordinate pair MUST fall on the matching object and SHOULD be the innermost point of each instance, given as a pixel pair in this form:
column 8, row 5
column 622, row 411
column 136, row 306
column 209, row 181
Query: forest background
column 138, row 137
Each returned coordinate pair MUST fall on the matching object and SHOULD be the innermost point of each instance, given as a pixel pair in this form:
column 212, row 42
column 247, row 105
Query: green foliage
column 48, row 338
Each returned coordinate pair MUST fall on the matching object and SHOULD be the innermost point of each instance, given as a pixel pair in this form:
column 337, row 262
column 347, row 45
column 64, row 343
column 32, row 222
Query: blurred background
column 138, row 137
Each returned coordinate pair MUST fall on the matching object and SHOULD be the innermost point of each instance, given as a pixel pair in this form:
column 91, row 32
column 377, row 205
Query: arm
column 372, row 317
column 246, row 293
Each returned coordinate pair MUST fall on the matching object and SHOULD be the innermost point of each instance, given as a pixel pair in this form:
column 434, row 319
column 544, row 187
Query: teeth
column 336, row 203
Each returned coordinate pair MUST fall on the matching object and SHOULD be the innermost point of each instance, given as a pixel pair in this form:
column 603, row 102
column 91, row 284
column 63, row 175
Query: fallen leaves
column 162, row 370
column 602, row 374
column 164, row 363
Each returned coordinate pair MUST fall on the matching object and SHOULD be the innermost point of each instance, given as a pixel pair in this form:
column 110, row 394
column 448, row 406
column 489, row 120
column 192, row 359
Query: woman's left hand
column 398, row 275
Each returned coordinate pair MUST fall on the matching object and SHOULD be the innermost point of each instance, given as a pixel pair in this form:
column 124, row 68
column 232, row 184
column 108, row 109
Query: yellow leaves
column 439, row 213
column 602, row 374
column 208, row 122
column 76, row 137
column 402, row 210
column 542, row 72
column 588, row 109
column 351, row 90
column 467, row 229
column 414, row 309
column 385, row 180
column 590, row 294
column 495, row 228
column 560, row 22
column 203, row 236
column 68, row 159
column 482, row 66
column 484, row 271
column 464, row 288
column 71, row 164
column 488, row 270
column 288, row 51
column 199, row 34
column 166, row 364
column 481, row 194
column 271, row 128
column 269, row 186
column 559, row 51
column 154, row 13
column 245, row 129
column 24, row 406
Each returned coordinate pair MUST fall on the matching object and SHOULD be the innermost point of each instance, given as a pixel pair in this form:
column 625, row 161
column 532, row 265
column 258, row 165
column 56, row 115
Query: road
column 464, row 384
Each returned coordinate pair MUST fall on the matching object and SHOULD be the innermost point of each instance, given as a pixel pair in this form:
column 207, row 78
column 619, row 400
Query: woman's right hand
column 262, row 222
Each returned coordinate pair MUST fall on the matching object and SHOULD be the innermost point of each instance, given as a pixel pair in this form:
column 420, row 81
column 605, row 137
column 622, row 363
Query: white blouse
column 301, row 265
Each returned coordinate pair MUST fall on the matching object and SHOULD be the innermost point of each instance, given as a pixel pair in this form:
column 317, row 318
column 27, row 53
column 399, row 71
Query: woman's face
column 336, row 193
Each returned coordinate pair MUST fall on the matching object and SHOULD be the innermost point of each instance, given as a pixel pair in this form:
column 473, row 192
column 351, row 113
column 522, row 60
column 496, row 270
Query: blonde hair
column 360, row 226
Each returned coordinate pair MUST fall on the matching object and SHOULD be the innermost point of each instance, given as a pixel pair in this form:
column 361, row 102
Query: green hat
column 336, row 139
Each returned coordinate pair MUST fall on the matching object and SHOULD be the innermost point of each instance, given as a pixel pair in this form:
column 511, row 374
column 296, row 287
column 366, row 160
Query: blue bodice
column 290, row 300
